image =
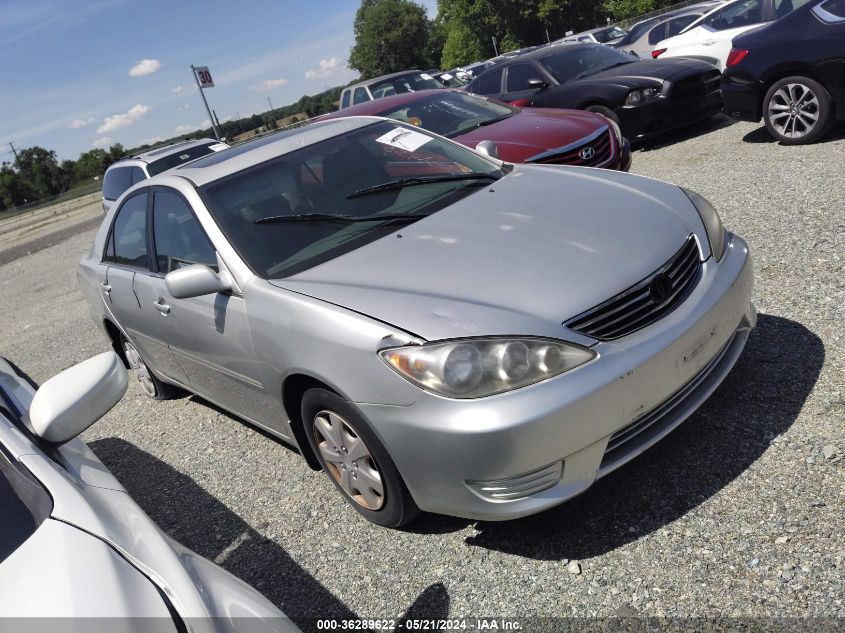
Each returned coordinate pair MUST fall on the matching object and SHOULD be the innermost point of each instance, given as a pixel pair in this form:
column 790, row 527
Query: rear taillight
column 657, row 52
column 520, row 103
column 735, row 56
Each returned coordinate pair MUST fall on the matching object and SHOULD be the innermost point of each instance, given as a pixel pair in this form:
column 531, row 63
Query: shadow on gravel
column 759, row 400
column 712, row 124
column 186, row 512
column 761, row 135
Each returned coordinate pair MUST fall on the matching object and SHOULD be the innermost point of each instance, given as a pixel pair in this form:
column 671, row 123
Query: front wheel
column 604, row 111
column 797, row 110
column 355, row 460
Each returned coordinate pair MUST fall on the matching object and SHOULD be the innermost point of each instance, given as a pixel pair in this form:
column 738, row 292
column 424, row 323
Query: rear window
column 407, row 83
column 177, row 158
column 835, row 8
column 119, row 179
column 24, row 505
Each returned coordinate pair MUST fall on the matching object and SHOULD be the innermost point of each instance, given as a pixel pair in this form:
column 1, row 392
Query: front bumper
column 663, row 115
column 741, row 94
column 454, row 455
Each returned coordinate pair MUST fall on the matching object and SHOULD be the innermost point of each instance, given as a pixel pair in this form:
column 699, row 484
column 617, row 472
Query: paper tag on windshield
column 446, row 76
column 216, row 147
column 409, row 140
column 426, row 76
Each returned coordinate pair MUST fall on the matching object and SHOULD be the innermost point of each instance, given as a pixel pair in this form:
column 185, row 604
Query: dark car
column 791, row 73
column 644, row 97
column 533, row 135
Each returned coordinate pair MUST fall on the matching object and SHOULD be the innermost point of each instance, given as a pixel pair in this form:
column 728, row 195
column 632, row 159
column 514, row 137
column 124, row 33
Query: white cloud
column 184, row 129
column 103, row 141
column 78, row 123
column 205, row 124
column 144, row 67
column 268, row 84
column 150, row 141
column 177, row 89
column 117, row 121
column 328, row 67
column 183, row 107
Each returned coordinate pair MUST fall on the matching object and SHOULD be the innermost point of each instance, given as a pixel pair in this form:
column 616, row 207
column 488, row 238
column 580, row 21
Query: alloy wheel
column 348, row 460
column 142, row 372
column 794, row 110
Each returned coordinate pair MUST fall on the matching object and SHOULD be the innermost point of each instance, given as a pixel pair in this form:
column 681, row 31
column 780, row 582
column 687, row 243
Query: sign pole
column 207, row 109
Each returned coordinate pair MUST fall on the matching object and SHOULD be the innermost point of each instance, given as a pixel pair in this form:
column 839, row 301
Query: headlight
column 642, row 95
column 474, row 368
column 716, row 233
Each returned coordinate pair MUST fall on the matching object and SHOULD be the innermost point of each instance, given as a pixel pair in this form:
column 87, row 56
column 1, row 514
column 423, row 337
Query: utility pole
column 495, row 50
column 272, row 109
column 207, row 109
column 14, row 151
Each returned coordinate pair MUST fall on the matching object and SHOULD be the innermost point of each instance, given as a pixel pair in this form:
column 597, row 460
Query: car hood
column 539, row 246
column 533, row 131
column 649, row 71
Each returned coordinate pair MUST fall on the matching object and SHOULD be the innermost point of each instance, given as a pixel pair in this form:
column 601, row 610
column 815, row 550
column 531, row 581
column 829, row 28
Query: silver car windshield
column 450, row 113
column 314, row 204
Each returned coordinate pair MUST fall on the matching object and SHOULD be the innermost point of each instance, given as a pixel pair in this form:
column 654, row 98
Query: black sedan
column 644, row 97
column 791, row 73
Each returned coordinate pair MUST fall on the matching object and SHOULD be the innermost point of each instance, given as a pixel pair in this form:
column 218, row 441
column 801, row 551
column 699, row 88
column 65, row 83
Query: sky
column 81, row 74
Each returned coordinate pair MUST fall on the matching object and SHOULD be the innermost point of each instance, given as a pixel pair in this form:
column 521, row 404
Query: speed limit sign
column 204, row 77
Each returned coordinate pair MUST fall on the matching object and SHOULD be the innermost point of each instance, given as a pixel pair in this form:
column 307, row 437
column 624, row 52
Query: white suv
column 128, row 171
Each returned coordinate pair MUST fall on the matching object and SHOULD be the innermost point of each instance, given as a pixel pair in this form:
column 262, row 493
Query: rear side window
column 657, row 34
column 360, row 95
column 130, row 233
column 117, row 181
column 679, row 24
column 344, row 101
column 138, row 175
column 834, row 8
column 736, row 15
column 178, row 237
column 24, row 505
column 519, row 75
column 490, row 84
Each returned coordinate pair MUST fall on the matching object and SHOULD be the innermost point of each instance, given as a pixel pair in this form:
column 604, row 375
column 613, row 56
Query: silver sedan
column 435, row 329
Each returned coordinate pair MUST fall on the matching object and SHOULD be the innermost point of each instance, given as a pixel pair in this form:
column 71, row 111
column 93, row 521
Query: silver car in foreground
column 436, row 329
column 76, row 553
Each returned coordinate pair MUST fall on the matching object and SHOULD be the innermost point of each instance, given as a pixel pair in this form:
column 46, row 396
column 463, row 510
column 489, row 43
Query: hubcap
column 348, row 460
column 142, row 372
column 794, row 110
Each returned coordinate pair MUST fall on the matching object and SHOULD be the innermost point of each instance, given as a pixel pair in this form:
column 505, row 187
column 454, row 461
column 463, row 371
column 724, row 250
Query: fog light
column 518, row 486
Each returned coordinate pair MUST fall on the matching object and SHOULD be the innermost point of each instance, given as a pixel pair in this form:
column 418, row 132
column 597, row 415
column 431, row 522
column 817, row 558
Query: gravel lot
column 736, row 516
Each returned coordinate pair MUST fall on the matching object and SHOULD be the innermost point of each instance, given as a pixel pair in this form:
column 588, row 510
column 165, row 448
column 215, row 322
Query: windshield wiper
column 407, row 182
column 593, row 71
column 488, row 122
column 341, row 219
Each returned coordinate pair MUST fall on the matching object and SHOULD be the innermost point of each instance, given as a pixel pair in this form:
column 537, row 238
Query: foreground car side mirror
column 488, row 148
column 538, row 83
column 73, row 400
column 195, row 281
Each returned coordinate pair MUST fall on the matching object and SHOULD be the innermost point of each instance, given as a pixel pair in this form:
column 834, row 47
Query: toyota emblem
column 660, row 288
column 587, row 153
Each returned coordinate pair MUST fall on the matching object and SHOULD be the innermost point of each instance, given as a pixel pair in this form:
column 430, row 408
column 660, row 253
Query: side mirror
column 538, row 83
column 195, row 281
column 488, row 148
column 73, row 400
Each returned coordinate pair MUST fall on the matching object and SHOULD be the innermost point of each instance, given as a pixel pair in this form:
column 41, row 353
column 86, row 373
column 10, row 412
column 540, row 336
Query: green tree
column 390, row 36
column 462, row 47
column 40, row 169
column 14, row 190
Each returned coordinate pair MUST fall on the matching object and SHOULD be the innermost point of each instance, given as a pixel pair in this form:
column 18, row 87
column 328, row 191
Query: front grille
column 645, row 302
column 697, row 87
column 571, row 154
column 518, row 486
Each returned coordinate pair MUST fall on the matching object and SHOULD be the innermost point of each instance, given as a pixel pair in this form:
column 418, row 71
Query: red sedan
column 533, row 135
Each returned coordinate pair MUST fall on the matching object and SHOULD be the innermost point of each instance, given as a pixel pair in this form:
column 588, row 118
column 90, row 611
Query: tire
column 797, row 110
column 604, row 111
column 150, row 384
column 355, row 460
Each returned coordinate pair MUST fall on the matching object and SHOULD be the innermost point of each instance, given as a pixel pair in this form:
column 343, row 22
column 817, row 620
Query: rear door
column 490, row 84
column 716, row 33
column 129, row 263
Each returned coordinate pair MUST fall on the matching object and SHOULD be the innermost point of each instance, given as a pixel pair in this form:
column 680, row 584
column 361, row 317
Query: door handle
column 709, row 42
column 161, row 306
column 106, row 287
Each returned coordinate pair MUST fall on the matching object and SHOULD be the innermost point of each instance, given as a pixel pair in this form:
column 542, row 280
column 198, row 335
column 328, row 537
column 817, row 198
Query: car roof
column 155, row 153
column 538, row 54
column 375, row 80
column 373, row 107
column 234, row 159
